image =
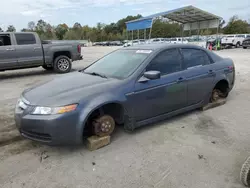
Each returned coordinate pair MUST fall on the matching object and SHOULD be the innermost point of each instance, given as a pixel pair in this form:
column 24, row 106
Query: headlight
column 54, row 110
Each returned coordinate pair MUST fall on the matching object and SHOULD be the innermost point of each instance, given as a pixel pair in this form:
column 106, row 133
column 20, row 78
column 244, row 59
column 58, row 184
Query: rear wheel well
column 115, row 110
column 65, row 53
column 223, row 86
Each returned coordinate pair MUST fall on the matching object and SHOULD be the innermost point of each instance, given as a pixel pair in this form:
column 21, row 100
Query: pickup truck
column 26, row 50
column 234, row 40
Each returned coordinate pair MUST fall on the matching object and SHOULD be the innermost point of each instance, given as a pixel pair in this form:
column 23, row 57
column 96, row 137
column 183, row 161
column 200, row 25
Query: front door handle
column 181, row 79
column 10, row 49
column 36, row 48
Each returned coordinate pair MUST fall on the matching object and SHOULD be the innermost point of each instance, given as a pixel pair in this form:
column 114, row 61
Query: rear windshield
column 230, row 36
column 119, row 64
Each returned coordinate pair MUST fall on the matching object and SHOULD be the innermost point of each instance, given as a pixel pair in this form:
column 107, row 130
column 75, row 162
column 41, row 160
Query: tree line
column 117, row 31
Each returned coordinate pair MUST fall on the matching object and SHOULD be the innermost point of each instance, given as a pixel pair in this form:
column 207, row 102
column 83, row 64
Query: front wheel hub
column 103, row 126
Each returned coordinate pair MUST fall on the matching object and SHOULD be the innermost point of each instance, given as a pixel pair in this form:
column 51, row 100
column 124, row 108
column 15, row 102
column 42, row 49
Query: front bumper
column 50, row 129
column 247, row 45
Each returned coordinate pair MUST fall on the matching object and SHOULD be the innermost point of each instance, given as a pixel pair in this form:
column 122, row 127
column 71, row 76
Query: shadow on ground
column 27, row 73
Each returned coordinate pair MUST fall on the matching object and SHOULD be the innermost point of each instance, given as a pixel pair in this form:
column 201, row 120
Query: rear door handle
column 181, row 79
column 211, row 72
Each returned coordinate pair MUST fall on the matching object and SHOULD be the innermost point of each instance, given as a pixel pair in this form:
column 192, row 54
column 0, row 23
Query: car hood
column 67, row 89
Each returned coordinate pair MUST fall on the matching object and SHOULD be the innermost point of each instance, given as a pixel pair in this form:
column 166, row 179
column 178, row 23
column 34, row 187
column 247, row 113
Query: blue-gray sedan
column 131, row 86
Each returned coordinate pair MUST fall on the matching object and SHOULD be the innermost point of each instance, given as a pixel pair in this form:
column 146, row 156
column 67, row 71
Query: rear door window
column 25, row 38
column 5, row 40
column 241, row 36
column 194, row 58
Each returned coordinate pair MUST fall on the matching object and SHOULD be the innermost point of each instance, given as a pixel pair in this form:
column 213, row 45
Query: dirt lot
column 197, row 149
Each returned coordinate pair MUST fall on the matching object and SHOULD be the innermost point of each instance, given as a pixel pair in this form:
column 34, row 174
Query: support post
column 145, row 34
column 132, row 37
column 150, row 33
column 198, row 31
column 182, row 28
column 218, row 28
column 138, row 34
column 151, row 29
column 217, row 37
column 190, row 30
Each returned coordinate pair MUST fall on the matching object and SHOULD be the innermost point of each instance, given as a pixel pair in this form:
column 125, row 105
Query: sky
column 89, row 12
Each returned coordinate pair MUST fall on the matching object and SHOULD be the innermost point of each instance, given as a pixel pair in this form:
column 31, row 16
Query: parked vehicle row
column 108, row 43
column 26, row 50
column 156, row 41
column 142, row 85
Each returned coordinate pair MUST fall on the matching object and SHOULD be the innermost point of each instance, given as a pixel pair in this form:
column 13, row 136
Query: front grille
column 246, row 42
column 36, row 136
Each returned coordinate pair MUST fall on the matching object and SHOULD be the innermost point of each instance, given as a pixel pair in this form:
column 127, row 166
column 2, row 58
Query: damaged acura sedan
column 131, row 87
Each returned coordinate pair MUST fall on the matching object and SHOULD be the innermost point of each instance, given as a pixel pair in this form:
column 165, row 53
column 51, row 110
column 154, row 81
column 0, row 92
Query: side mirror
column 150, row 75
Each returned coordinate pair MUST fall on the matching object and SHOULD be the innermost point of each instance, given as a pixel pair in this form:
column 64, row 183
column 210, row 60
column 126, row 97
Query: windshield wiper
column 96, row 74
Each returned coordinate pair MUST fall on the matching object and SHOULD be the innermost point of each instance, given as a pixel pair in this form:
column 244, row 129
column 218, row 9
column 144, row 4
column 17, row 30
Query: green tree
column 1, row 30
column 77, row 26
column 71, row 35
column 165, row 29
column 11, row 28
column 41, row 27
column 31, row 26
column 121, row 24
column 61, row 30
column 24, row 30
column 236, row 26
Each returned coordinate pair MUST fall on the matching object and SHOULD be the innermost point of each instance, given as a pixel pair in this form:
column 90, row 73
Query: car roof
column 161, row 46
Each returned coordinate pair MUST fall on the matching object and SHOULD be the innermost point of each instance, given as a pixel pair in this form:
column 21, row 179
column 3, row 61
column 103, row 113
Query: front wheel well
column 115, row 110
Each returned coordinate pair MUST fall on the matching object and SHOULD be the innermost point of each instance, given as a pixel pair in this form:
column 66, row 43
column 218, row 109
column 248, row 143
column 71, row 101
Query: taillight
column 79, row 48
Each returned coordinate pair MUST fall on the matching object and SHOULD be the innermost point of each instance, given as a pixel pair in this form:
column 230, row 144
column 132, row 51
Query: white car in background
column 157, row 40
column 178, row 41
column 133, row 43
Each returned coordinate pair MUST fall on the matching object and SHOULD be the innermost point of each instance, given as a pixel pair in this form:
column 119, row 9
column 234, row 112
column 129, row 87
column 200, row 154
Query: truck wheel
column 244, row 47
column 237, row 45
column 245, row 173
column 62, row 64
column 47, row 68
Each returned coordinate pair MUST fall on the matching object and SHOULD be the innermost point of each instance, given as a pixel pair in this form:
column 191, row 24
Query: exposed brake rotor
column 103, row 126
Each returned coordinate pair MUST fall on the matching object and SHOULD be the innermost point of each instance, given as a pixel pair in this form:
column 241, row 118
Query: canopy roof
column 184, row 15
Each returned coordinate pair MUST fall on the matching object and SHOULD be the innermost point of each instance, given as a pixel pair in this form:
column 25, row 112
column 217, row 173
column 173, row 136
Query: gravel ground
column 197, row 149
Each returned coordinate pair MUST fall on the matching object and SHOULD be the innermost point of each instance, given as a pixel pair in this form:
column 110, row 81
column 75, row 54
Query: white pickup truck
column 233, row 40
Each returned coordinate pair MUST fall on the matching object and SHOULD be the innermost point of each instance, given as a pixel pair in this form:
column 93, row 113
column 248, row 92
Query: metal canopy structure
column 190, row 17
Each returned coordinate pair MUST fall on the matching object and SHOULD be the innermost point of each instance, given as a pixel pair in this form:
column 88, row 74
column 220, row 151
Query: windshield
column 119, row 64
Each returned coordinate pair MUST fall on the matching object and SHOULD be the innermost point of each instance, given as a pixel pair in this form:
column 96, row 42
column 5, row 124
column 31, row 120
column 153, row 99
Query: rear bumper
column 77, row 57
